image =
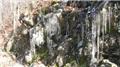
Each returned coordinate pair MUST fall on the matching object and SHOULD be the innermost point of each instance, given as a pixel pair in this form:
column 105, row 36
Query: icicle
column 98, row 34
column 109, row 17
column 67, row 29
column 93, row 59
column 104, row 12
column 82, row 31
column 119, row 26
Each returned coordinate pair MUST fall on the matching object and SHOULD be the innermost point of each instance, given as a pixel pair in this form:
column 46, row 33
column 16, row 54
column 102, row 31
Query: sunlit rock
column 61, row 48
column 59, row 60
column 106, row 61
column 18, row 65
column 28, row 57
column 37, row 64
column 25, row 32
column 9, row 44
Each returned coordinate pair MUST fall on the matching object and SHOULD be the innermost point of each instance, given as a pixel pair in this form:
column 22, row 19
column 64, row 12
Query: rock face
column 74, row 35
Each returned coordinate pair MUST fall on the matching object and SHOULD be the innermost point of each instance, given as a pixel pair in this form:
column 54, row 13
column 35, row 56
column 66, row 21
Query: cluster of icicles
column 101, row 25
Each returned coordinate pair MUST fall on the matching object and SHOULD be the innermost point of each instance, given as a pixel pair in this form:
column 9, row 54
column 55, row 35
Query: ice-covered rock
column 36, row 37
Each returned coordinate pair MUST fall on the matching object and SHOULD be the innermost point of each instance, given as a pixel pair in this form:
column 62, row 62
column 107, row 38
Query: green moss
column 83, row 61
column 71, row 62
column 42, row 53
column 45, row 10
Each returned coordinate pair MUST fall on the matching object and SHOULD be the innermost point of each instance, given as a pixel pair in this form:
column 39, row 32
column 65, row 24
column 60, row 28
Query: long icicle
column 98, row 34
column 109, row 17
column 93, row 59
column 104, row 12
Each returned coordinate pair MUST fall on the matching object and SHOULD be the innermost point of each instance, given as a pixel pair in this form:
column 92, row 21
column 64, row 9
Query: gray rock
column 52, row 26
